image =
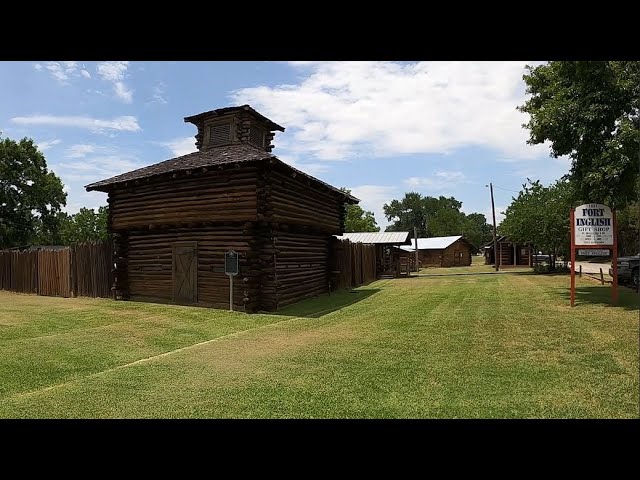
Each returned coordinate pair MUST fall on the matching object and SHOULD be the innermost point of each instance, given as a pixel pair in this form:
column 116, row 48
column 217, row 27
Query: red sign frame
column 574, row 247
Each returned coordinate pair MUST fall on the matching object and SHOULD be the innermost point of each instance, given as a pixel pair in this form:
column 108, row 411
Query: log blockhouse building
column 172, row 222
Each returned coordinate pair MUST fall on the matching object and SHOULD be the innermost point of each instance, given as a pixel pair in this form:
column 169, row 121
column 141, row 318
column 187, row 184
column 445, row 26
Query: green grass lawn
column 460, row 346
column 477, row 266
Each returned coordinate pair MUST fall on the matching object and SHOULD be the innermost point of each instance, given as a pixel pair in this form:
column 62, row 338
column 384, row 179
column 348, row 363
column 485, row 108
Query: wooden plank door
column 185, row 272
column 456, row 258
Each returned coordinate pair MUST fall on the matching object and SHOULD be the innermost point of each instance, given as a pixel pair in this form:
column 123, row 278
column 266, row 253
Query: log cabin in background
column 454, row 251
column 510, row 254
column 172, row 222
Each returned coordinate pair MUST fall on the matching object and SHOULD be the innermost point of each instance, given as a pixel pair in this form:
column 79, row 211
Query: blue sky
column 379, row 128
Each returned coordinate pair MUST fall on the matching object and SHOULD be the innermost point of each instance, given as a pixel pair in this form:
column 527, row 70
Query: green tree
column 477, row 230
column 357, row 219
column 540, row 216
column 30, row 195
column 407, row 213
column 589, row 111
column 86, row 226
column 51, row 230
column 628, row 220
column 433, row 217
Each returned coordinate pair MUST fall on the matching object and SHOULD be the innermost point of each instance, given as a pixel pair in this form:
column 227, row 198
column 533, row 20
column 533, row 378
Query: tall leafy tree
column 477, row 230
column 589, row 111
column 357, row 219
column 434, row 217
column 407, row 213
column 30, row 195
column 539, row 215
column 86, row 226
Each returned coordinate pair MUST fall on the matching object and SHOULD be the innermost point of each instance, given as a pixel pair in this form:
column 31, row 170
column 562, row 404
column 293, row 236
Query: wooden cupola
column 232, row 126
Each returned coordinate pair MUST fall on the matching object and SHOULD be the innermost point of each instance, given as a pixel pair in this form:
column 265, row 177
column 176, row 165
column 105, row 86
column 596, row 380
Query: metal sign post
column 593, row 227
column 231, row 269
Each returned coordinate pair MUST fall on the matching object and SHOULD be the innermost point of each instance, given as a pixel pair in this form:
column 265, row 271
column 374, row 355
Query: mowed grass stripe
column 486, row 346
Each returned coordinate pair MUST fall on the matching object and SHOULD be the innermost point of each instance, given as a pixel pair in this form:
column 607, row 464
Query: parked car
column 542, row 258
column 628, row 271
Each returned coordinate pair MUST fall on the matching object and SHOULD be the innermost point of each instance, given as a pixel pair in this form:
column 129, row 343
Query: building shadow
column 324, row 304
column 597, row 295
column 467, row 274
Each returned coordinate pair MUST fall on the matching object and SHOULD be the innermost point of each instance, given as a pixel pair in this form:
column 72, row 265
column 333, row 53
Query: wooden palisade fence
column 354, row 264
column 82, row 270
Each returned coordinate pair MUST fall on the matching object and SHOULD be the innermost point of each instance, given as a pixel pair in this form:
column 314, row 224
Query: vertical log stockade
column 83, row 270
column 172, row 222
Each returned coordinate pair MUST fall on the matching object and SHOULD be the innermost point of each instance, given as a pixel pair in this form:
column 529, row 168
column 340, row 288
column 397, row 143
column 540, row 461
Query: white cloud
column 57, row 71
column 63, row 72
column 373, row 197
column 345, row 109
column 125, row 123
column 440, row 180
column 80, row 150
column 313, row 169
column 158, row 94
column 42, row 146
column 105, row 166
column 94, row 168
column 181, row 146
column 123, row 93
column 114, row 72
column 87, row 200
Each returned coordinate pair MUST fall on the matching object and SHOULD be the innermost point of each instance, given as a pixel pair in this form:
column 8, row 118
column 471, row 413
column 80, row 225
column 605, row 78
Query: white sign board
column 593, row 225
column 594, row 252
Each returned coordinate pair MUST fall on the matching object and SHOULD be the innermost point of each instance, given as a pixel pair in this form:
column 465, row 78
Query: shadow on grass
column 459, row 274
column 598, row 295
column 321, row 305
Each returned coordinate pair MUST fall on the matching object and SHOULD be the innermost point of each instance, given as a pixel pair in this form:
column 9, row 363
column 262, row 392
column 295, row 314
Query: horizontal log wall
column 301, row 265
column 290, row 200
column 455, row 249
column 211, row 196
column 446, row 257
column 430, row 258
column 149, row 263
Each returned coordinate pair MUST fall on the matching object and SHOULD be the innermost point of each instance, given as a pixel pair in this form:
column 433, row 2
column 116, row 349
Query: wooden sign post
column 231, row 269
column 593, row 226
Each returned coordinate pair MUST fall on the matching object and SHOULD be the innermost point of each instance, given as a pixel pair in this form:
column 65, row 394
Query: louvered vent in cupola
column 220, row 134
column 229, row 126
column 256, row 136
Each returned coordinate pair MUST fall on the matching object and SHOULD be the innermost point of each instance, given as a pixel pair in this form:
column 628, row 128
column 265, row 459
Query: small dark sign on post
column 231, row 269
column 231, row 263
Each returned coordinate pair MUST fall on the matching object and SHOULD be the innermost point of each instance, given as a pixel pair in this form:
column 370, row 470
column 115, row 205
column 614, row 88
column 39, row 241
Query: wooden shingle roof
column 226, row 110
column 232, row 154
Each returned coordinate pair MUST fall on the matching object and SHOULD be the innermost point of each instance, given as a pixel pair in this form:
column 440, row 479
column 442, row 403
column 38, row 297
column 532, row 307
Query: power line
column 506, row 189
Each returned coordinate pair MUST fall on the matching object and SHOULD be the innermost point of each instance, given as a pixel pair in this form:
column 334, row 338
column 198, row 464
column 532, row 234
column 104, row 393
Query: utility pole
column 495, row 243
column 415, row 235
